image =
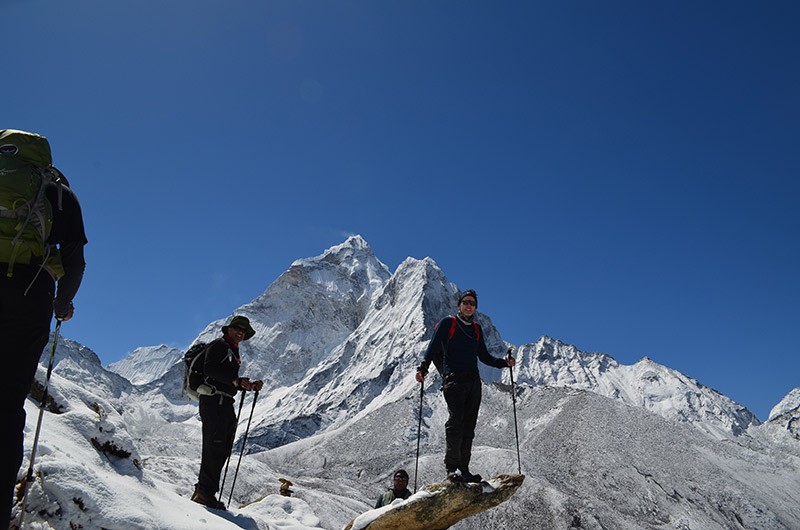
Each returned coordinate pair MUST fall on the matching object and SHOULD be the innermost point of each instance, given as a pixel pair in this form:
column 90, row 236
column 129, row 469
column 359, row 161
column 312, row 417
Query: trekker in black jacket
column 221, row 368
column 28, row 298
column 455, row 348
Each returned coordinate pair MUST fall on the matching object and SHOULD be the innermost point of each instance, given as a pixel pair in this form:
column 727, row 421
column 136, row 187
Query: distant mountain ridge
column 645, row 384
column 146, row 363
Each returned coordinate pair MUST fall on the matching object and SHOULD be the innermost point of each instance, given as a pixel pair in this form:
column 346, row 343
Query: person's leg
column 24, row 332
column 455, row 394
column 472, row 405
column 219, row 422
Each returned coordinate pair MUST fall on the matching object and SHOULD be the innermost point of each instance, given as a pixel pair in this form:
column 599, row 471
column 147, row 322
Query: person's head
column 468, row 302
column 400, row 479
column 239, row 329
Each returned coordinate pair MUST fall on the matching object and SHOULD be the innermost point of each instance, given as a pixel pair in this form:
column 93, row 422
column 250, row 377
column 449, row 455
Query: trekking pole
column 244, row 439
column 233, row 435
column 419, row 431
column 514, row 401
column 29, row 475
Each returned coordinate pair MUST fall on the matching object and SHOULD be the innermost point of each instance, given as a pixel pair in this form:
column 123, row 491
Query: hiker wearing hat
column 455, row 348
column 399, row 489
column 221, row 368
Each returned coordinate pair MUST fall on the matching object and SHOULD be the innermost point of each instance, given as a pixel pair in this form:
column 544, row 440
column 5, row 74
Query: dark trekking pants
column 462, row 392
column 219, row 428
column 24, row 332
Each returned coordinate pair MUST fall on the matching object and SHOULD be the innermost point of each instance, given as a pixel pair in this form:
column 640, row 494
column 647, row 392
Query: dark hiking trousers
column 24, row 332
column 219, row 428
column 462, row 392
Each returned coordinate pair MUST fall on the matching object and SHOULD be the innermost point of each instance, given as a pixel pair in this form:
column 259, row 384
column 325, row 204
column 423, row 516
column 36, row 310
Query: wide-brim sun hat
column 241, row 322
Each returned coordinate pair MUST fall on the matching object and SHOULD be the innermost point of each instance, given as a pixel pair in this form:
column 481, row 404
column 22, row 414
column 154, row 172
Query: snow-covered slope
column 591, row 462
column 338, row 339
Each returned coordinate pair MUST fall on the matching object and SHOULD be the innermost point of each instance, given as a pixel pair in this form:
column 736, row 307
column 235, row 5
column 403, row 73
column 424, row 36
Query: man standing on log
column 456, row 346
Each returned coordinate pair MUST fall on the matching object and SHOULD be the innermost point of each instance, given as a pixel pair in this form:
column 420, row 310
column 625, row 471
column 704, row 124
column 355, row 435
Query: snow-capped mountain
column 337, row 331
column 645, row 384
column 146, row 364
column 338, row 338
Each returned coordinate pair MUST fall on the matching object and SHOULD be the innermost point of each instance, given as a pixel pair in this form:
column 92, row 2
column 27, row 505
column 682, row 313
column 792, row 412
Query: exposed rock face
column 439, row 506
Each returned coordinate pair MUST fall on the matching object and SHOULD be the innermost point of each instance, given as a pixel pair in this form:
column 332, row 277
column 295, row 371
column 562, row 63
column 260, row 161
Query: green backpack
column 26, row 216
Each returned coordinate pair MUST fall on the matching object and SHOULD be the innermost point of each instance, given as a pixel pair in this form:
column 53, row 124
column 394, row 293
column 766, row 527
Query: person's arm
column 483, row 355
column 70, row 236
column 436, row 347
column 74, row 266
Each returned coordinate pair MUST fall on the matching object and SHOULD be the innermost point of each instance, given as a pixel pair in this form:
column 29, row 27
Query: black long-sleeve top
column 69, row 234
column 221, row 365
column 460, row 353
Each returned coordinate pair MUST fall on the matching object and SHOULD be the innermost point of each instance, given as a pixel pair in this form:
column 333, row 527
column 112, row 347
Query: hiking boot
column 466, row 476
column 205, row 499
column 454, row 476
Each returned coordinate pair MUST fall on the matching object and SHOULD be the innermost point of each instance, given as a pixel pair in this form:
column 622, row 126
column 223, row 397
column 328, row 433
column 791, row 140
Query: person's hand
column 258, row 385
column 63, row 311
column 243, row 383
column 420, row 376
column 510, row 361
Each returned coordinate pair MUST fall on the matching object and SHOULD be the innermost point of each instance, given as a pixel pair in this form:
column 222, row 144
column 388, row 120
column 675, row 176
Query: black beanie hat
column 469, row 292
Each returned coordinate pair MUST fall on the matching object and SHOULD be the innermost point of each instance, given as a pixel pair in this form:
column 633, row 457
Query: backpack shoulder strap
column 453, row 325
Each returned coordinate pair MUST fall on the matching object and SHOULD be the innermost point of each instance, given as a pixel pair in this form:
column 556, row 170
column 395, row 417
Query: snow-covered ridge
column 789, row 404
column 146, row 363
column 786, row 414
column 645, row 384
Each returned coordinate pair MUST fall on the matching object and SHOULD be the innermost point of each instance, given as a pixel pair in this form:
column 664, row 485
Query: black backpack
column 194, row 379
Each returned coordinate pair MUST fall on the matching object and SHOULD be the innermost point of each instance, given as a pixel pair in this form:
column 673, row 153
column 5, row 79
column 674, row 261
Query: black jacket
column 69, row 234
column 461, row 352
column 221, row 365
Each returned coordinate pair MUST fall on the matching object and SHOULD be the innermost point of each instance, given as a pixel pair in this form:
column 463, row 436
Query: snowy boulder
column 439, row 506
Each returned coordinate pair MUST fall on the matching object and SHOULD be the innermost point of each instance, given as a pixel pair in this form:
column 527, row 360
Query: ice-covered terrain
column 603, row 445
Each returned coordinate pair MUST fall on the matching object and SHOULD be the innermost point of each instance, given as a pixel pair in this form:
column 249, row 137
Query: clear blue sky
column 622, row 176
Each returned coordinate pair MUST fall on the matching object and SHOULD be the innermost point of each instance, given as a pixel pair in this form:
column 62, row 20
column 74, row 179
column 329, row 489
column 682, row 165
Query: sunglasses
column 239, row 328
column 469, row 302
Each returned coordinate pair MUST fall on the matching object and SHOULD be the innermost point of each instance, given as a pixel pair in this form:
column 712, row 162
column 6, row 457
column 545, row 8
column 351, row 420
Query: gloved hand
column 244, row 383
column 63, row 310
column 422, row 371
column 510, row 361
